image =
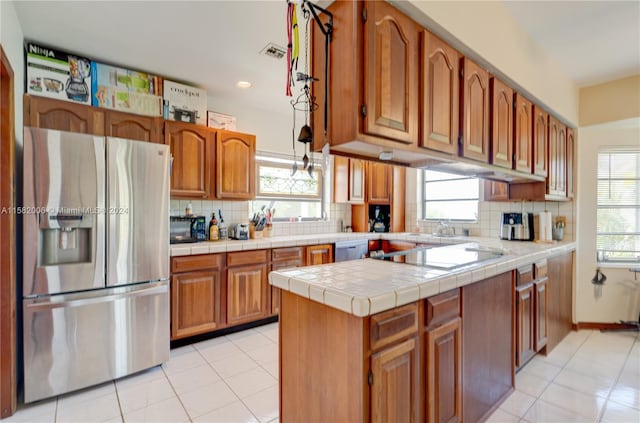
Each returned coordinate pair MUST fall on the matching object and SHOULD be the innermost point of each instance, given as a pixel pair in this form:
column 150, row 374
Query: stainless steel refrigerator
column 96, row 259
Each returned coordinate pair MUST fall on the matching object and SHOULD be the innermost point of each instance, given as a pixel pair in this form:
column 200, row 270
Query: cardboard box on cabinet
column 184, row 103
column 126, row 90
column 57, row 74
column 221, row 121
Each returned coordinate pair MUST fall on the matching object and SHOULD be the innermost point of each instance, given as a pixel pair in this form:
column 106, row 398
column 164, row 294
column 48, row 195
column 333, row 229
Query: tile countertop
column 369, row 286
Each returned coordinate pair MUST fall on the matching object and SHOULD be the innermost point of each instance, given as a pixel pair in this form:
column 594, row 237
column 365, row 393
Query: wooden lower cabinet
column 560, row 302
column 247, row 293
column 282, row 258
column 319, row 254
column 541, row 314
column 444, row 372
column 394, row 381
column 196, row 295
column 525, row 324
column 487, row 342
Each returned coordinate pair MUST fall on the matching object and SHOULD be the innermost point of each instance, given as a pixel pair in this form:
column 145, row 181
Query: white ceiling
column 213, row 44
column 593, row 41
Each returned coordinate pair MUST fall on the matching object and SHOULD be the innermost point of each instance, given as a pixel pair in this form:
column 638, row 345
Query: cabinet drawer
column 286, row 254
column 198, row 262
column 524, row 275
column 540, row 269
column 443, row 307
column 246, row 257
column 392, row 325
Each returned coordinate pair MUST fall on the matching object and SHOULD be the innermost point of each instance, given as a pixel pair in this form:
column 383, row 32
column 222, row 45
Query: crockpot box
column 126, row 90
column 57, row 74
column 184, row 103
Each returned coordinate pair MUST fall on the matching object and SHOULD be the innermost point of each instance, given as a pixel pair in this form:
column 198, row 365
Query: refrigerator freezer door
column 78, row 340
column 63, row 227
column 137, row 211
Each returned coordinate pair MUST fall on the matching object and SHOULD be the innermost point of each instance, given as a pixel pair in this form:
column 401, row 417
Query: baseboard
column 601, row 326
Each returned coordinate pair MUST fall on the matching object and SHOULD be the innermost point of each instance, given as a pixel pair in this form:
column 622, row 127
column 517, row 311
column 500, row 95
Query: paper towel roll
column 549, row 226
column 545, row 226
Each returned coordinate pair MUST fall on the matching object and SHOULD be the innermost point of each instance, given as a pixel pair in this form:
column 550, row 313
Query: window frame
column 424, row 200
column 601, row 254
column 285, row 162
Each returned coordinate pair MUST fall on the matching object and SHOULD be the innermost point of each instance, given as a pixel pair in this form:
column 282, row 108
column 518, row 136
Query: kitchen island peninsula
column 432, row 339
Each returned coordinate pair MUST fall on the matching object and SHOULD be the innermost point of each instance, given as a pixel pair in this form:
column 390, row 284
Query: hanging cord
column 291, row 9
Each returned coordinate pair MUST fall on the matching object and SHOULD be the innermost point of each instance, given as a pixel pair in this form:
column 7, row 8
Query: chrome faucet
column 445, row 230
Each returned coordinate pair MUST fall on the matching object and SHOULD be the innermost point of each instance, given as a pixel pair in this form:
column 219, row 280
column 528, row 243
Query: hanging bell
column 306, row 135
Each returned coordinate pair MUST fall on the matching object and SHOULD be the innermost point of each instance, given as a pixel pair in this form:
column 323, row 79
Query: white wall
column 621, row 294
column 487, row 29
column 12, row 41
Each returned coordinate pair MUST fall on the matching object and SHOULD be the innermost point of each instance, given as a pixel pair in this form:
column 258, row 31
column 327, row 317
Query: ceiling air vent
column 274, row 50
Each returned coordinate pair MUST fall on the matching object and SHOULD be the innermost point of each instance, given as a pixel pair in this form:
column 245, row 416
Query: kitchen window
column 295, row 197
column 618, row 198
column 449, row 197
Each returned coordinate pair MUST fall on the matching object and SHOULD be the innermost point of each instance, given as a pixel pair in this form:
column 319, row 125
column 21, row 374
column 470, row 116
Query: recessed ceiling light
column 243, row 84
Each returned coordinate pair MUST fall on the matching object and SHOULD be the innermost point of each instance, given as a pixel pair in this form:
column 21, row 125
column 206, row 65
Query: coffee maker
column 516, row 226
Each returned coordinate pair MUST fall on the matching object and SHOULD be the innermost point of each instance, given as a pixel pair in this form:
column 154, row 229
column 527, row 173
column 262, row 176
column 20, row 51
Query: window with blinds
column 618, row 220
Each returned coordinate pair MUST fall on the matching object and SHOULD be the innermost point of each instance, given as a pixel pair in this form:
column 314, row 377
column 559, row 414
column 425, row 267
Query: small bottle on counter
column 214, row 231
column 188, row 211
column 224, row 231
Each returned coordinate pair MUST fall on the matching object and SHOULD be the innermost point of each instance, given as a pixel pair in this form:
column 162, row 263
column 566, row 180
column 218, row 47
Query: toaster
column 239, row 231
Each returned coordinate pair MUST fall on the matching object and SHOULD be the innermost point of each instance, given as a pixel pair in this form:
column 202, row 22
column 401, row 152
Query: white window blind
column 618, row 219
column 450, row 197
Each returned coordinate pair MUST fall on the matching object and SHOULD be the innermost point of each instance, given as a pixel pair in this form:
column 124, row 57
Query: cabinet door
column 475, row 112
column 132, row 127
column 61, row 115
column 398, row 199
column 541, row 316
column 444, row 374
column 276, row 265
column 525, row 327
column 379, row 184
column 340, row 179
column 394, row 383
column 319, row 254
column 556, row 182
column 501, row 124
column 247, row 293
column 192, row 150
column 523, row 144
column 571, row 151
column 441, row 82
column 235, row 166
column 195, row 302
column 560, row 305
column 390, row 74
column 540, row 141
column 495, row 191
column 356, row 181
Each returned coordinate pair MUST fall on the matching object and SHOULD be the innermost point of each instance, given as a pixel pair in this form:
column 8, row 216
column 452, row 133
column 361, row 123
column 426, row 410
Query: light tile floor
column 590, row 377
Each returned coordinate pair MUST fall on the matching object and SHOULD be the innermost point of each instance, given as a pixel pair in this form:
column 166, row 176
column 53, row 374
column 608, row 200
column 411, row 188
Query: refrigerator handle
column 48, row 304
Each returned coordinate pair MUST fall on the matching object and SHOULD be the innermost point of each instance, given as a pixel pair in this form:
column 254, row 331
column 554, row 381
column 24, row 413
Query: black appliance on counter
column 379, row 218
column 184, row 229
column 516, row 226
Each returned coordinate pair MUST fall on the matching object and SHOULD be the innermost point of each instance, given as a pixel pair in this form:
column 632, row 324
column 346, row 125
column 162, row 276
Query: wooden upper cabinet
column 475, row 112
column 48, row 113
column 501, row 124
column 556, row 181
column 379, row 185
column 398, row 199
column 523, row 133
column 571, row 160
column 235, row 166
column 390, row 74
column 495, row 191
column 540, row 142
column 192, row 150
column 133, row 127
column 440, row 81
column 348, row 180
column 319, row 254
